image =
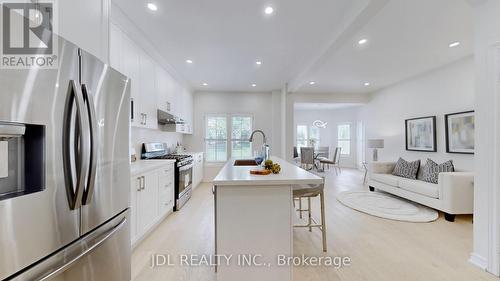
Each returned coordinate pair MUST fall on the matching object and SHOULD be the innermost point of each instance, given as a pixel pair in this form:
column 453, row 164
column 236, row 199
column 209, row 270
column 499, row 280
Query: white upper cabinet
column 86, row 24
column 130, row 66
column 147, row 101
column 164, row 88
column 152, row 87
column 116, row 48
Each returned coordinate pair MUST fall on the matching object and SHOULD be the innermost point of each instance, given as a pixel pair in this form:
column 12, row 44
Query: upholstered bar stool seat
column 311, row 191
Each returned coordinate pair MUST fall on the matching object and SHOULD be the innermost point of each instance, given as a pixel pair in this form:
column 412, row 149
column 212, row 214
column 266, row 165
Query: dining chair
column 295, row 154
column 323, row 152
column 335, row 162
column 307, row 157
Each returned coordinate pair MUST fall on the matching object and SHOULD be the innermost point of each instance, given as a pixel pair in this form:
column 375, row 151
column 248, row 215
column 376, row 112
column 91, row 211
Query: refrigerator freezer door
column 101, row 255
column 35, row 225
column 107, row 192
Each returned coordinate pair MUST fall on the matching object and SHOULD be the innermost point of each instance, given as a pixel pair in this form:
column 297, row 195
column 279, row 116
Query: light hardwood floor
column 379, row 249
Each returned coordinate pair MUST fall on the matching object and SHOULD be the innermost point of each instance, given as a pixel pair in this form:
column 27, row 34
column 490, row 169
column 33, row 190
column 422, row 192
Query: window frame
column 297, row 135
column 342, row 153
column 308, row 136
column 229, row 134
column 231, row 140
column 205, row 139
column 318, row 139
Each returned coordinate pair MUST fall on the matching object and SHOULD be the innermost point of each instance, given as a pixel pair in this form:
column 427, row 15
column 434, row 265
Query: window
column 241, row 129
column 227, row 137
column 302, row 138
column 216, row 138
column 344, row 138
column 307, row 136
column 314, row 136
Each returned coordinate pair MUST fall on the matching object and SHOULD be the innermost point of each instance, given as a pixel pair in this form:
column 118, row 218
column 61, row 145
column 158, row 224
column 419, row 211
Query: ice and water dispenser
column 21, row 159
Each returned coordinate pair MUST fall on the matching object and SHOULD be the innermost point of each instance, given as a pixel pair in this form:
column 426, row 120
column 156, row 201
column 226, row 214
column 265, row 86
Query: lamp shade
column 377, row 143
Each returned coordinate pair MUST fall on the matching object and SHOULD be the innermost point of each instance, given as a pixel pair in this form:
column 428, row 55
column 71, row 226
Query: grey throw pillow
column 431, row 170
column 406, row 169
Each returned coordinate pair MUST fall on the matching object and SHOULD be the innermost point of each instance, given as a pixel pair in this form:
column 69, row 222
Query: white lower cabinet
column 147, row 211
column 197, row 168
column 152, row 198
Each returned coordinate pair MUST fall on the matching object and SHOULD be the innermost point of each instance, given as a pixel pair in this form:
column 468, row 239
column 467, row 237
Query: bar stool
column 311, row 191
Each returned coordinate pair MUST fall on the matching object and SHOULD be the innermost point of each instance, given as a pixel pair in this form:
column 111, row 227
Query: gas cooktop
column 178, row 157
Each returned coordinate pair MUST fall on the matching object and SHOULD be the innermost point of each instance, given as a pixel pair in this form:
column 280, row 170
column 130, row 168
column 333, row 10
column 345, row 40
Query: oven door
column 185, row 179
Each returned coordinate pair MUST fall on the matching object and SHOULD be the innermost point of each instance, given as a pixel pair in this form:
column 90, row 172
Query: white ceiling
column 324, row 106
column 303, row 41
column 406, row 38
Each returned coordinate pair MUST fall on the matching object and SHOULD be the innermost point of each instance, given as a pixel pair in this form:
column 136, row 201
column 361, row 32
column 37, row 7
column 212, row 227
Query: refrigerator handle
column 89, row 100
column 81, row 151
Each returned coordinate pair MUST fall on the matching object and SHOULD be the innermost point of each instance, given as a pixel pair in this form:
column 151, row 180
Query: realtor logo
column 27, row 35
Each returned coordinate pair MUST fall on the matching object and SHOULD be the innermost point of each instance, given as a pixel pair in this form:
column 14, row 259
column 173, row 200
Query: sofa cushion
column 386, row 178
column 420, row 187
column 406, row 169
column 431, row 170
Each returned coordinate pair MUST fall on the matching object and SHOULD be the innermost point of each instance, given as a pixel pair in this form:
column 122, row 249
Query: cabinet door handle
column 143, row 118
column 140, row 184
column 143, row 183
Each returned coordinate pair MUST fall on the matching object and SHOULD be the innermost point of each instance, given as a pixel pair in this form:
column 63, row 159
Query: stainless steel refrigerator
column 64, row 185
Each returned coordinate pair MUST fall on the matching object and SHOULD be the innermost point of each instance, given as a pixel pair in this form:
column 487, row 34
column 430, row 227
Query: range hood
column 167, row 118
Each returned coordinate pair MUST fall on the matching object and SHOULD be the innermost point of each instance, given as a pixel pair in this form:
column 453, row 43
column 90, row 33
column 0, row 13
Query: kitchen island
column 253, row 221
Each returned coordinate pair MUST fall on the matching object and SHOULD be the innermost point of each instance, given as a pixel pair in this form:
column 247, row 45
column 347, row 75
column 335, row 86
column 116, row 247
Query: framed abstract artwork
column 460, row 128
column 421, row 134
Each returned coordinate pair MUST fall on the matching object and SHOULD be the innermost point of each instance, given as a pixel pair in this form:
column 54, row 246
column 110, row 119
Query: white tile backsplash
column 142, row 135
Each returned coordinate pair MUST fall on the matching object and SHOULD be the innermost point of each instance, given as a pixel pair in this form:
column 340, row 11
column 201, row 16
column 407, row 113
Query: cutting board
column 260, row 172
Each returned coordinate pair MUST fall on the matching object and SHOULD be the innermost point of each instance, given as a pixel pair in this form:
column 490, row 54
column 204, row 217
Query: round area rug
column 387, row 206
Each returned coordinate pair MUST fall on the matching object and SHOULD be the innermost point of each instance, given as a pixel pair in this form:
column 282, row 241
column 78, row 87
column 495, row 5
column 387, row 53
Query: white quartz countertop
column 240, row 175
column 142, row 166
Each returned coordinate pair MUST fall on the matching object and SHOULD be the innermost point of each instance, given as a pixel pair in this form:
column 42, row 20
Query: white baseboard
column 478, row 261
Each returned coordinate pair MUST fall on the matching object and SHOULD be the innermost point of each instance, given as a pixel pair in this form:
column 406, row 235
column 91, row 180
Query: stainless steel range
column 183, row 170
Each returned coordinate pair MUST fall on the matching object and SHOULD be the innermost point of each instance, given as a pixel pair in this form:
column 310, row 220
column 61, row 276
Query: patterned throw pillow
column 431, row 170
column 406, row 169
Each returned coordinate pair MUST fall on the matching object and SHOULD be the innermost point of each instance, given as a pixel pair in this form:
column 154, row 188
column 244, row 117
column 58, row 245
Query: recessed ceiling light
column 254, row 85
column 152, row 7
column 258, row 62
column 367, row 84
column 362, row 41
column 312, row 83
column 269, row 10
column 205, row 84
column 189, row 61
column 454, row 44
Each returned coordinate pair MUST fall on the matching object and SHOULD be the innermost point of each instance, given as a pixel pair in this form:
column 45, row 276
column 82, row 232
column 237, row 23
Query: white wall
column 328, row 135
column 446, row 90
column 260, row 105
column 487, row 179
column 292, row 98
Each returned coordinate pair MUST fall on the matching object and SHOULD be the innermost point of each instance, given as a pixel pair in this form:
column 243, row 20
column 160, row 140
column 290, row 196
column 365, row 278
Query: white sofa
column 453, row 195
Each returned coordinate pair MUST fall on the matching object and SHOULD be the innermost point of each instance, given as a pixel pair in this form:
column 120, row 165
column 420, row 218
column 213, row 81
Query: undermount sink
column 245, row 162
